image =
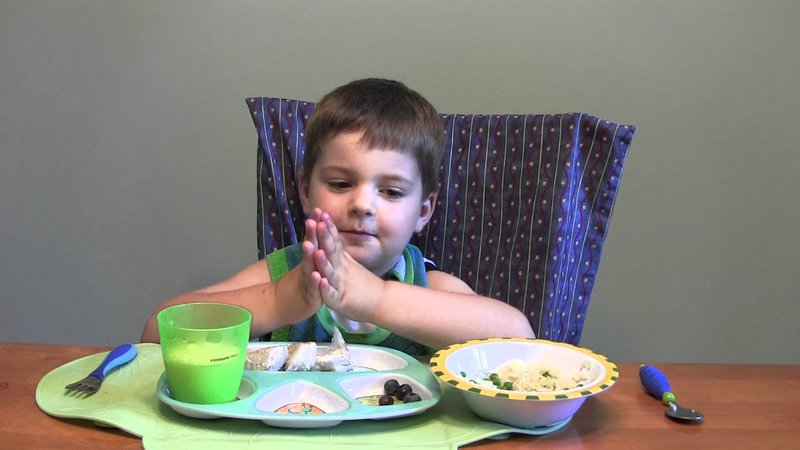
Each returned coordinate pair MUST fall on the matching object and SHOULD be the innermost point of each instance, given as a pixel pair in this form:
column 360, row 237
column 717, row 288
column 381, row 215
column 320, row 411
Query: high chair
column 523, row 208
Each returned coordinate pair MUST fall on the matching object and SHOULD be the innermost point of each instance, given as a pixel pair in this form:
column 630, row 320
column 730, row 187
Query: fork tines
column 88, row 386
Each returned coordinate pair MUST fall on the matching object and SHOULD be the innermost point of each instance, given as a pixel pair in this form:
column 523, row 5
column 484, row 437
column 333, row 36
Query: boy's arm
column 447, row 312
column 290, row 300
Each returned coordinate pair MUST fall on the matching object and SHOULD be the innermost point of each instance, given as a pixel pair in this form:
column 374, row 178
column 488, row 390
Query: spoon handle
column 655, row 383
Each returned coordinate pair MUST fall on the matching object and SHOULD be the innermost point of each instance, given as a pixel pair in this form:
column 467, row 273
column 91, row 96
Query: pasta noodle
column 535, row 377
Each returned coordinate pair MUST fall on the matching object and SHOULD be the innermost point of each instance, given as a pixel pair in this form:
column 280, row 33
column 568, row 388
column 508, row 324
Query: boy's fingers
column 326, row 219
column 334, row 233
column 329, row 240
column 310, row 279
column 308, row 256
column 325, row 268
column 311, row 232
column 330, row 295
column 326, row 240
column 308, row 263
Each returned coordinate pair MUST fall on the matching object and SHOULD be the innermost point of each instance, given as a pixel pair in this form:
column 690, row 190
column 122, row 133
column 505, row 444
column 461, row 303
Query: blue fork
column 117, row 357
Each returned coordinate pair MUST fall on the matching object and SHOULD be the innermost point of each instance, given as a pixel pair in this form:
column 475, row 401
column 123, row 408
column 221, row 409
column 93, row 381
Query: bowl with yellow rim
column 525, row 383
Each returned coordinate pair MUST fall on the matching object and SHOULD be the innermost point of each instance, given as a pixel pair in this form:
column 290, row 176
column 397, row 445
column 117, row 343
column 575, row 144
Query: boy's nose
column 363, row 202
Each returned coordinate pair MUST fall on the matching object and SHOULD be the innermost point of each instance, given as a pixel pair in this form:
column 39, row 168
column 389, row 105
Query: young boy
column 369, row 181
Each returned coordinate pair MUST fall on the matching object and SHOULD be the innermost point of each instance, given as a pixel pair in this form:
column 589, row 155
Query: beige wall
column 128, row 156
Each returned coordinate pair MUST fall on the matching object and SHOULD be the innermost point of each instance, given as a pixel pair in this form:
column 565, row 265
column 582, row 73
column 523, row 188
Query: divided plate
column 320, row 399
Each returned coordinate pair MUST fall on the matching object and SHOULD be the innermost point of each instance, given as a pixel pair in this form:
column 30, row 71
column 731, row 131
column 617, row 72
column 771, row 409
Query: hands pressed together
column 331, row 276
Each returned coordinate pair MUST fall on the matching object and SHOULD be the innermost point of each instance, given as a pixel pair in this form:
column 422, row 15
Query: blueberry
column 390, row 387
column 412, row 397
column 402, row 391
column 386, row 400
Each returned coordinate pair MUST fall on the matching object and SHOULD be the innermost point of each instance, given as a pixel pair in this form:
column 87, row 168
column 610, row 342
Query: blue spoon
column 656, row 384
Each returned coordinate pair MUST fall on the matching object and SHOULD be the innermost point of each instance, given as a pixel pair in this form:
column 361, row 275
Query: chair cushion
column 523, row 208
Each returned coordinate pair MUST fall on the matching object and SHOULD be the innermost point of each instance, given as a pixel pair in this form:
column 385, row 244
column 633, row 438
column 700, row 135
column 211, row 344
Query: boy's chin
column 369, row 260
column 363, row 256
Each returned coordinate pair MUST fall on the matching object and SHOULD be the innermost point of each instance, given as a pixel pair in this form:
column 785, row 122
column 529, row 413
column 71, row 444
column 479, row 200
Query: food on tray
column 267, row 358
column 302, row 356
column 516, row 375
column 392, row 389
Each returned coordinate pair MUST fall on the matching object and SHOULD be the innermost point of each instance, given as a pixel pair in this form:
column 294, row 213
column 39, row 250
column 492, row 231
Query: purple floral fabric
column 523, row 208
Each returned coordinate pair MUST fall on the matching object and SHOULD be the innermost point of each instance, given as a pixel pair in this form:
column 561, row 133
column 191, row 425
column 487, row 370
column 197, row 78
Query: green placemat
column 128, row 400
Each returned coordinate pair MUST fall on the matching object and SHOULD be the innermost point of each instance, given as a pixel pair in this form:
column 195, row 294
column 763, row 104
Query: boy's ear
column 426, row 211
column 303, row 185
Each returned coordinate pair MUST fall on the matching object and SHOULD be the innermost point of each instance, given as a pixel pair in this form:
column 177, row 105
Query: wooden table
column 745, row 406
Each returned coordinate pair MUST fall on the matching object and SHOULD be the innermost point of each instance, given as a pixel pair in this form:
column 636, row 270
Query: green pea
column 508, row 386
column 495, row 378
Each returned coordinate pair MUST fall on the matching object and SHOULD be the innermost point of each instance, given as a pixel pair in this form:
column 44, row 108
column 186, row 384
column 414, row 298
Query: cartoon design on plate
column 299, row 408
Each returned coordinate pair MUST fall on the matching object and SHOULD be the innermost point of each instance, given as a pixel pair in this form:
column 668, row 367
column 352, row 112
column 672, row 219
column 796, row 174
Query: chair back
column 523, row 207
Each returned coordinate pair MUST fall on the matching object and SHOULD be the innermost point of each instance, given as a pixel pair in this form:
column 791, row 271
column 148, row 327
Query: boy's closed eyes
column 391, row 187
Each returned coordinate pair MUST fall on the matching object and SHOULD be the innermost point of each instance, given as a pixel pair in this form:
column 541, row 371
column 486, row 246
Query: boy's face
column 374, row 197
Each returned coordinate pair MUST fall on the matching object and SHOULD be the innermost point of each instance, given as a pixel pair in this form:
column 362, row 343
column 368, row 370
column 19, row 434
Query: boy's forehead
column 349, row 152
column 363, row 156
column 355, row 141
column 361, row 139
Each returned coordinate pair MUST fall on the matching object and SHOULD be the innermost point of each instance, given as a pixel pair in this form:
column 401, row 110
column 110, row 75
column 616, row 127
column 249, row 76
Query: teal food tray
column 320, row 399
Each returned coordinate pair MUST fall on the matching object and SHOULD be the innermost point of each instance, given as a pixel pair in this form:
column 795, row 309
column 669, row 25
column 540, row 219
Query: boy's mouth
column 357, row 232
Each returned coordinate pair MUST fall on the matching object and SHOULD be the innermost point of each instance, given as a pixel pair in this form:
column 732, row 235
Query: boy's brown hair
column 391, row 116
